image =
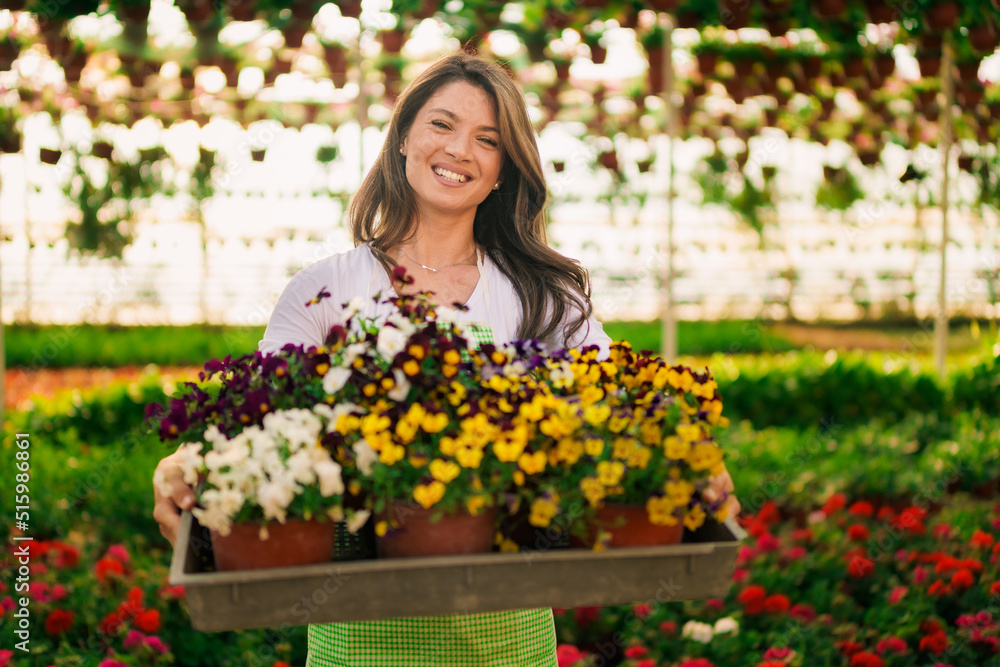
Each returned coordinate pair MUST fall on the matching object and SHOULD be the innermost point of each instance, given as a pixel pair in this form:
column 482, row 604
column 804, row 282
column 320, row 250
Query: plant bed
column 699, row 568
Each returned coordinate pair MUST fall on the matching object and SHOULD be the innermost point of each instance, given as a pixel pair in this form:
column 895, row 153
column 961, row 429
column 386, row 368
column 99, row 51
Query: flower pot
column 829, row 8
column 943, row 15
column 416, row 535
column 295, row 542
column 880, row 11
column 885, row 64
column 983, row 38
column 629, row 526
column 930, row 64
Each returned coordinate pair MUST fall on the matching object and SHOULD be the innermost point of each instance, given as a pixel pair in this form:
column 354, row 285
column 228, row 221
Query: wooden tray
column 355, row 590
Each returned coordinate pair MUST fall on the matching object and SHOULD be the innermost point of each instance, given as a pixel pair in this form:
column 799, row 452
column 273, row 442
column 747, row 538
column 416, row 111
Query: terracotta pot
column 292, row 543
column 943, row 15
column 885, row 64
column 628, row 526
column 829, row 8
column 880, row 11
column 930, row 64
column 983, row 38
column 661, row 5
column 453, row 534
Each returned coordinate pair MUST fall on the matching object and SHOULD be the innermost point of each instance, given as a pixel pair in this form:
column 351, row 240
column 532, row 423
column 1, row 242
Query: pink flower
column 943, row 531
column 119, row 553
column 648, row 662
column 39, row 590
column 5, row 657
column 636, row 652
column 109, row 662
column 897, row 594
column 697, row 662
column 804, row 613
column 667, row 627
column 739, row 574
column 59, row 592
column 919, row 574
column 642, row 610
column 984, row 617
column 715, row 603
column 745, row 554
column 134, row 638
column 965, row 621
column 8, row 604
column 157, row 644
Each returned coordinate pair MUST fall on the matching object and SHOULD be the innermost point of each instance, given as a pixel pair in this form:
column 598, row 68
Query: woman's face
column 453, row 154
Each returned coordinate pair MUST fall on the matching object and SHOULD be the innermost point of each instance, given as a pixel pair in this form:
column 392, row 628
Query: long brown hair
column 509, row 223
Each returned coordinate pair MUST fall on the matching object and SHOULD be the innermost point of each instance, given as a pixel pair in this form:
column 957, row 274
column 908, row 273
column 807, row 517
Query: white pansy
column 391, row 342
column 212, row 516
column 300, row 467
column 515, row 369
column 330, row 481
column 335, row 379
column 366, row 456
column 275, row 496
column 447, row 315
column 726, row 624
column 297, row 426
column 699, row 632
column 191, row 462
column 402, row 323
column 402, row 389
column 352, row 351
column 359, row 519
column 354, row 306
column 214, row 436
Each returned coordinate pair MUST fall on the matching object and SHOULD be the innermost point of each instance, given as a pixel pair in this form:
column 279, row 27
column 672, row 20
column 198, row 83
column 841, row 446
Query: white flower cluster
column 266, row 466
column 703, row 632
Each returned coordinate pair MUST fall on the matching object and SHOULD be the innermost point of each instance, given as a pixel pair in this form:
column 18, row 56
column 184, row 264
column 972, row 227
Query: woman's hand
column 171, row 495
column 723, row 484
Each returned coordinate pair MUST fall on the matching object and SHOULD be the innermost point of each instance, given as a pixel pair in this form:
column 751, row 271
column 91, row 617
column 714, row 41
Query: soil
column 21, row 385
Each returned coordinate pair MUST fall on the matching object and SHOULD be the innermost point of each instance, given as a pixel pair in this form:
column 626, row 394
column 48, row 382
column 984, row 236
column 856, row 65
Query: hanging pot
column 743, row 67
column 968, row 70
column 9, row 51
column 943, row 15
column 416, row 535
column 336, row 61
column 707, row 61
column 854, row 66
column 628, row 526
column 49, row 155
column 930, row 64
column 242, row 10
column 598, row 54
column 392, row 40
column 289, row 544
column 811, row 66
column 10, row 142
column 688, row 19
column 350, row 8
column 829, row 8
column 294, row 34
column 776, row 25
column 885, row 64
column 880, row 11
column 965, row 162
column 101, row 149
column 983, row 38
column 659, row 5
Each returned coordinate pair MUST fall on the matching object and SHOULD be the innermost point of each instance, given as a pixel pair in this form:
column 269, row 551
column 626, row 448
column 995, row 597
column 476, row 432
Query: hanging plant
column 49, row 155
column 880, row 11
column 101, row 149
column 942, row 15
column 839, row 189
column 326, row 154
column 10, row 135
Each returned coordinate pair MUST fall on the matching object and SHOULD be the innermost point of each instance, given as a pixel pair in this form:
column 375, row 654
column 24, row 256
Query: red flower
column 848, row 647
column 586, row 615
column 857, row 533
column 715, row 604
column 930, row 626
column 66, row 555
column 667, row 627
column 648, row 662
column 802, row 535
column 897, row 594
column 943, row 531
column 567, row 654
column 107, row 566
column 963, row 579
column 740, row 573
column 769, row 513
column 177, row 592
column 148, row 621
column 777, row 604
column 636, row 652
column 771, row 663
column 697, row 662
column 865, row 659
column 110, row 624
column 861, row 508
column 886, row 513
column 58, row 621
column 752, row 598
column 768, row 543
column 934, row 643
column 777, row 653
column 836, row 502
column 891, row 645
column 642, row 610
column 912, row 519
column 939, row 588
column 995, row 588
column 804, row 613
column 981, row 540
column 860, row 566
column 281, row 663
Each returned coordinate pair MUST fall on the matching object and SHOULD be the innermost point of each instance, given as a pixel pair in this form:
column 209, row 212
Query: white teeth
column 450, row 175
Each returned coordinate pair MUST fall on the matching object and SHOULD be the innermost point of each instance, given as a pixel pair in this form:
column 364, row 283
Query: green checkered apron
column 520, row 638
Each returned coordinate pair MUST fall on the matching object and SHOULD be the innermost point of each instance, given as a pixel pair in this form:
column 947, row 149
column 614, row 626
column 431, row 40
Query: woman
column 456, row 198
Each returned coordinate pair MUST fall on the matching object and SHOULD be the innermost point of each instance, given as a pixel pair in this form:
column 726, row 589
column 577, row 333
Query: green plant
column 839, row 189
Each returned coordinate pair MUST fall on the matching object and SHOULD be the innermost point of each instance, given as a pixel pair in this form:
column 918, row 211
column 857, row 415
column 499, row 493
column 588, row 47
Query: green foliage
column 839, row 190
column 37, row 347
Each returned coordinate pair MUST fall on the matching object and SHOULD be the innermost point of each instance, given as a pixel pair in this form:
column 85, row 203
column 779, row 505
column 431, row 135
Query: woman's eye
column 439, row 124
column 490, row 142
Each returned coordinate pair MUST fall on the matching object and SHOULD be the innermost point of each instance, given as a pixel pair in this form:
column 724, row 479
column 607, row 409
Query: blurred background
column 802, row 196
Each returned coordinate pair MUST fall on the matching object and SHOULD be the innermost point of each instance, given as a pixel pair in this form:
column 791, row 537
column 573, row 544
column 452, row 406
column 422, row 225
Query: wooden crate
column 355, row 590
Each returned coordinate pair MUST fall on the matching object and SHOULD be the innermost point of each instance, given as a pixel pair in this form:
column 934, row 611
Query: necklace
column 424, row 266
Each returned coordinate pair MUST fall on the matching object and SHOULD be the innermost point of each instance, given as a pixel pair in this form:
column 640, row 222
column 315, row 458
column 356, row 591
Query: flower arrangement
column 401, row 410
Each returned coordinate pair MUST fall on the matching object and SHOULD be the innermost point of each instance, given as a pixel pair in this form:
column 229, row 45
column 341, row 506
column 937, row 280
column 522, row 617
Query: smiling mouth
column 450, row 175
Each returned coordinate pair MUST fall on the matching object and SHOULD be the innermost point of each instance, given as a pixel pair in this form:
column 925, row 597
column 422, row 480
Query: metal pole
column 668, row 317
column 362, row 107
column 941, row 323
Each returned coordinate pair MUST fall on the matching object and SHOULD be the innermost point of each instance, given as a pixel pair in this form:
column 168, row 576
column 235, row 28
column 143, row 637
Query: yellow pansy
column 678, row 491
column 704, row 455
column 498, row 383
column 387, row 382
column 660, row 377
column 532, row 464
column 447, row 446
column 675, row 448
column 369, row 389
column 591, row 395
column 444, row 471
column 617, row 424
column 569, row 450
column 639, row 457
column 406, row 431
column 507, row 451
column 542, row 511
column 428, row 494
column 592, row 490
column 391, row 453
column 416, row 351
column 348, row 424
column 415, row 414
column 417, row 460
column 452, row 357
column 661, row 511
column 597, row 414
column 694, row 518
column 448, row 370
column 519, row 477
column 434, row 423
column 469, row 457
column 374, row 423
column 532, row 410
column 610, row 472
column 381, row 528
column 682, row 380
column 705, row 390
column 509, row 546
column 593, row 446
column 651, row 433
column 689, row 432
column 621, row 448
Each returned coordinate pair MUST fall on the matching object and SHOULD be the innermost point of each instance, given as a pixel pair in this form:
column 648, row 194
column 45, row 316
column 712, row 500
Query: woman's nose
column 458, row 147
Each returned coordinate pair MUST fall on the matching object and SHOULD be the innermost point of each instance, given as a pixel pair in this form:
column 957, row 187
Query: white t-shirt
column 493, row 303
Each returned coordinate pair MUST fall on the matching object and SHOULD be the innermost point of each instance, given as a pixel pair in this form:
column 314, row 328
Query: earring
column 401, row 151
column 497, row 186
